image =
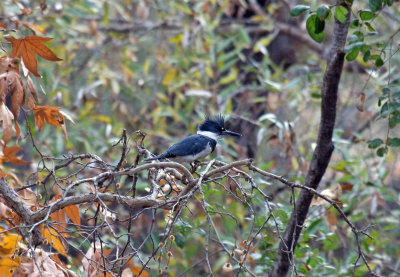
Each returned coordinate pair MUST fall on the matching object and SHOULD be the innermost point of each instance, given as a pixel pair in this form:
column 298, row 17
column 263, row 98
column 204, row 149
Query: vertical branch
column 324, row 149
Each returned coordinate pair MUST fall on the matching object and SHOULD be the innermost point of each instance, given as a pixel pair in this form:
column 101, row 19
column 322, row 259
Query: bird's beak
column 230, row 133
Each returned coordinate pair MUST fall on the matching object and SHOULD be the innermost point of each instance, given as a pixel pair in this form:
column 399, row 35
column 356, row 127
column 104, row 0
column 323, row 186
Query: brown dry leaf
column 26, row 11
column 346, row 186
column 54, row 240
column 28, row 47
column 43, row 265
column 6, row 118
column 331, row 193
column 8, row 64
column 3, row 26
column 11, row 83
column 32, row 88
column 330, row 220
column 360, row 102
column 5, row 211
column 28, row 197
column 73, row 214
column 9, row 155
column 90, row 261
column 16, row 89
column 142, row 11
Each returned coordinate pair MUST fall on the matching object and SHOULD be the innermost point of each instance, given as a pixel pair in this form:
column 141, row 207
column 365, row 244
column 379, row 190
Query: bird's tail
column 162, row 156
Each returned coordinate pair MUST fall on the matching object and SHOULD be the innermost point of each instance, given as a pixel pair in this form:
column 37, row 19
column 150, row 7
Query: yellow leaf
column 8, row 266
column 53, row 239
column 177, row 39
column 8, row 243
column 209, row 71
column 146, row 66
column 169, row 76
column 232, row 76
column 102, row 118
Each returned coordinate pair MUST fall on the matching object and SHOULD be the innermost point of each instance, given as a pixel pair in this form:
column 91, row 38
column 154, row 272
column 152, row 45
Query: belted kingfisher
column 200, row 145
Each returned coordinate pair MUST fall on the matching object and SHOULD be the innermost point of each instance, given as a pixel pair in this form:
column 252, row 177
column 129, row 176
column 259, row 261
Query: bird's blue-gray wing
column 189, row 146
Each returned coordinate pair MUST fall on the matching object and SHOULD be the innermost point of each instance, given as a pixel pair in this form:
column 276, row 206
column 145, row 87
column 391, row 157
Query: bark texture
column 323, row 151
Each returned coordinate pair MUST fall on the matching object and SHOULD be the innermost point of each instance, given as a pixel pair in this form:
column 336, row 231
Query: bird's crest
column 210, row 122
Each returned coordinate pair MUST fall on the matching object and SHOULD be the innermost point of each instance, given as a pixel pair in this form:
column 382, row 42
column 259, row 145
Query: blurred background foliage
column 160, row 66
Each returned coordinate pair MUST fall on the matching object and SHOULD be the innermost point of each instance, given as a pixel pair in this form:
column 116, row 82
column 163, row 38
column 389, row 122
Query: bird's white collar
column 211, row 135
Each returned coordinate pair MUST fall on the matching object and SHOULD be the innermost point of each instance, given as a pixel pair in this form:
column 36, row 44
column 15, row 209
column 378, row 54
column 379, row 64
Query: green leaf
column 319, row 25
column 366, row 15
column 369, row 26
column 355, row 23
column 323, row 12
column 375, row 5
column 367, row 56
column 379, row 62
column 381, row 151
column 364, row 48
column 310, row 26
column 341, row 13
column 375, row 143
column 394, row 142
column 299, row 9
column 353, row 54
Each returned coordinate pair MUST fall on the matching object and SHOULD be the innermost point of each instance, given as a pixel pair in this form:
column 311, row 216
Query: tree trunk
column 324, row 149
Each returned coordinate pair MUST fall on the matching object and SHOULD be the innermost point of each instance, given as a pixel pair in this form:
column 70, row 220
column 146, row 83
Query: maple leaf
column 9, row 155
column 29, row 46
column 50, row 115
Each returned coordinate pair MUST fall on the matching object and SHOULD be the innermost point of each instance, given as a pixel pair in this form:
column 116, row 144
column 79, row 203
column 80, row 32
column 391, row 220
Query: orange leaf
column 29, row 46
column 4, row 175
column 135, row 271
column 50, row 115
column 9, row 155
column 73, row 213
column 53, row 239
column 60, row 222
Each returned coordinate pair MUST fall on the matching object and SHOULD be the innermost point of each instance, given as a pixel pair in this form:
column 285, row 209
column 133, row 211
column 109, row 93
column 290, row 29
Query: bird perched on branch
column 200, row 145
